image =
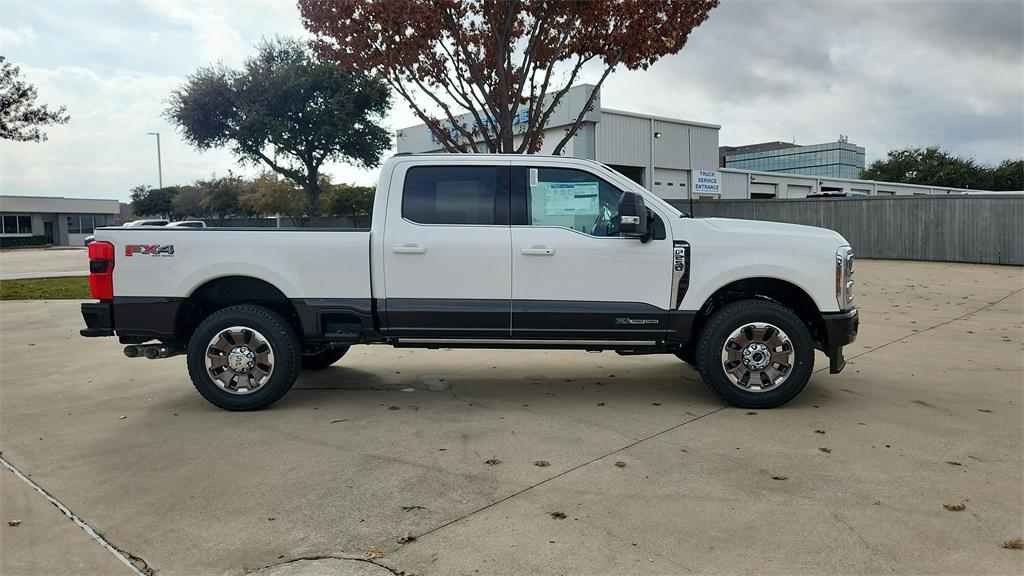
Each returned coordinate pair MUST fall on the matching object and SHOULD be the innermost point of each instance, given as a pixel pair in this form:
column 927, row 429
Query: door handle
column 538, row 251
column 409, row 249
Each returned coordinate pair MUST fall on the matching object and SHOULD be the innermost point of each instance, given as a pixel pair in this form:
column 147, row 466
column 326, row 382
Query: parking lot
column 849, row 478
column 43, row 263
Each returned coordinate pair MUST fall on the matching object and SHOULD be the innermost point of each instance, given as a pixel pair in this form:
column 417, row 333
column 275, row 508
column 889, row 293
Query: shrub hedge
column 16, row 241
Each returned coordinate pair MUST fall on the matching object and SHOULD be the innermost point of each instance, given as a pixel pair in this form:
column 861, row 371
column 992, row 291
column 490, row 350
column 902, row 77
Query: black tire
column 281, row 339
column 323, row 358
column 733, row 317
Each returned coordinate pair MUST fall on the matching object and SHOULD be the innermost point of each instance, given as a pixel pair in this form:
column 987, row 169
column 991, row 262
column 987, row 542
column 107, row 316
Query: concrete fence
column 985, row 229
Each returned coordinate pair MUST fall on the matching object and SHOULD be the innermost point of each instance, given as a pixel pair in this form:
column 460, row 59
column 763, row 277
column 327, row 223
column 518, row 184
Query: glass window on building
column 16, row 224
column 80, row 224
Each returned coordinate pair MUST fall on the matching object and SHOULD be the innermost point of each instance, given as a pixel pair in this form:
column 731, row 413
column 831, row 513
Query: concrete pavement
column 392, row 442
column 25, row 263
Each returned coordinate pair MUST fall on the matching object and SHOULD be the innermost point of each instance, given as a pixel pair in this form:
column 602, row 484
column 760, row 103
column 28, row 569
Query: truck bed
column 300, row 262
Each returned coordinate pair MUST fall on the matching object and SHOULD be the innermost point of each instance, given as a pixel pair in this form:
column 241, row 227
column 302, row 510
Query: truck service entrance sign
column 707, row 181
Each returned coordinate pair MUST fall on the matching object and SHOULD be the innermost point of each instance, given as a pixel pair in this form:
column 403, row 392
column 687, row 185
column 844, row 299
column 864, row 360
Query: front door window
column 572, row 199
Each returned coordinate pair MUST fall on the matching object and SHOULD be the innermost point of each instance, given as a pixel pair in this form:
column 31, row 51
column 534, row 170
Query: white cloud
column 19, row 35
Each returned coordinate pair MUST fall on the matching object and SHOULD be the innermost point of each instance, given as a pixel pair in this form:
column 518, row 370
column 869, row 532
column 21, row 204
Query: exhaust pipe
column 152, row 351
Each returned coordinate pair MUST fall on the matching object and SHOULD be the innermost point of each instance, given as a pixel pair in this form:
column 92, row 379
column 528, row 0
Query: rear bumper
column 133, row 316
column 99, row 319
column 840, row 330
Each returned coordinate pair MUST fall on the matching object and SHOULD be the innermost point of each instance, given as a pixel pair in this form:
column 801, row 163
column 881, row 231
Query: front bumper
column 840, row 330
column 99, row 319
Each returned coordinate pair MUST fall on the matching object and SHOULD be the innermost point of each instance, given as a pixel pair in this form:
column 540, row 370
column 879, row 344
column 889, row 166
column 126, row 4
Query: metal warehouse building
column 669, row 156
column 54, row 220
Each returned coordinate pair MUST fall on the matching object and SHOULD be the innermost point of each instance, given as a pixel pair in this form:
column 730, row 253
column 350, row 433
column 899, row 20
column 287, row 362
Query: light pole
column 159, row 164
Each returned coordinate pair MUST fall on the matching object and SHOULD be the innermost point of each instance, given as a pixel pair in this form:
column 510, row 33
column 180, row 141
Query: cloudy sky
column 886, row 73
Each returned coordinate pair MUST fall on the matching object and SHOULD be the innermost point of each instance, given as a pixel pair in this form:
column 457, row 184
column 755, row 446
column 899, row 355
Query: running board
column 651, row 345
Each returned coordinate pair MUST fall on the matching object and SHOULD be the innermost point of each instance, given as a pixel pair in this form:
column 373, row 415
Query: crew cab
column 482, row 251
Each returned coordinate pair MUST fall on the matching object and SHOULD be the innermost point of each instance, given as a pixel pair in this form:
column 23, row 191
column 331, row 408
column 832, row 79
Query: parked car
column 483, row 251
column 138, row 223
column 837, row 194
column 187, row 224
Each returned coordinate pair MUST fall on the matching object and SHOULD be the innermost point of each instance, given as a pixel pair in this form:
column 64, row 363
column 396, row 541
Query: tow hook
column 151, row 351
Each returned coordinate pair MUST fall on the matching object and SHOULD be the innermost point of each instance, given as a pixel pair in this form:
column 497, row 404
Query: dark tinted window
column 475, row 195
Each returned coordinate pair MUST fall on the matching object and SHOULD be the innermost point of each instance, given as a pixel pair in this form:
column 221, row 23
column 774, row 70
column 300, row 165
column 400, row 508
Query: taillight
column 101, row 270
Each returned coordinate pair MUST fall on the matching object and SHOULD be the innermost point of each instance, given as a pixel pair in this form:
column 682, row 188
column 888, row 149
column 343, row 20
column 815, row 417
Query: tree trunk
column 312, row 188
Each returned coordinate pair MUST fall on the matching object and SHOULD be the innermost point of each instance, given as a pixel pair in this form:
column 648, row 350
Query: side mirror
column 632, row 215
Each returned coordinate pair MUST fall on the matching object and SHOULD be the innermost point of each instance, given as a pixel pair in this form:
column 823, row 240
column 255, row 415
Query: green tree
column 221, row 197
column 270, row 194
column 348, row 200
column 928, row 166
column 497, row 70
column 933, row 166
column 1008, row 176
column 20, row 118
column 148, row 201
column 188, row 202
column 287, row 110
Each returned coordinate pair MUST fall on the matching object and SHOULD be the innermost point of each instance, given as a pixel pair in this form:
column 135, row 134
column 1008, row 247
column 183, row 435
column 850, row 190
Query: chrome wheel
column 758, row 357
column 239, row 360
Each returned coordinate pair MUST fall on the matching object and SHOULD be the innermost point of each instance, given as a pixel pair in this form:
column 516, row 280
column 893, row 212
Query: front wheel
column 755, row 354
column 243, row 357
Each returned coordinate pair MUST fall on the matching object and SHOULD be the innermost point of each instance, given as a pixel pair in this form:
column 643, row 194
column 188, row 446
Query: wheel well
column 231, row 291
column 785, row 293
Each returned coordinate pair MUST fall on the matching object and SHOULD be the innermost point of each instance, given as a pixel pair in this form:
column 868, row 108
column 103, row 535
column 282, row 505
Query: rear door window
column 456, row 195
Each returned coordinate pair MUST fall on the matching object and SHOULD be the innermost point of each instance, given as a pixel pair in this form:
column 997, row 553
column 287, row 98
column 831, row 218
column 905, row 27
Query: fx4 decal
column 150, row 249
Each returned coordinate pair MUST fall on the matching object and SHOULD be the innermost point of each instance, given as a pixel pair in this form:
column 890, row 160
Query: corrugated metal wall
column 623, row 140
column 626, row 139
column 978, row 229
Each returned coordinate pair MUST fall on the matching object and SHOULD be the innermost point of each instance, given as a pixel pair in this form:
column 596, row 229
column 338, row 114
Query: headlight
column 844, row 277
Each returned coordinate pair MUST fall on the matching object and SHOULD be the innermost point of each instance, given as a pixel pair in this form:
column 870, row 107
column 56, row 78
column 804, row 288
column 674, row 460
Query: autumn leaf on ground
column 778, row 477
column 620, row 464
column 492, row 462
column 406, row 538
column 542, row 463
column 373, row 553
column 954, row 507
column 1015, row 544
column 558, row 515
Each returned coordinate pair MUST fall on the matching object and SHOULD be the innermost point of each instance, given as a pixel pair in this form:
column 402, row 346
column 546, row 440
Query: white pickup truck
column 482, row 251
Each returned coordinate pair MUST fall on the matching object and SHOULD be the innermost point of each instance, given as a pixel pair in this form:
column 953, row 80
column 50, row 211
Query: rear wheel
column 322, row 358
column 755, row 354
column 243, row 357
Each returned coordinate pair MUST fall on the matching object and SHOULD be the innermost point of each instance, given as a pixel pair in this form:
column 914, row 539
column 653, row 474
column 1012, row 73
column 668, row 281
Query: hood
column 760, row 227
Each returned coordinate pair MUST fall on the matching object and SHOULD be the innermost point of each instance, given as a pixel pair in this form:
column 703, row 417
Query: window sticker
column 568, row 198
